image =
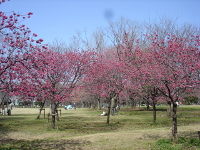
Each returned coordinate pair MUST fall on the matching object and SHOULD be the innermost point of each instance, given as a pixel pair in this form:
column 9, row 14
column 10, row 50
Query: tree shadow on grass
column 153, row 136
column 189, row 134
column 85, row 125
column 5, row 126
column 142, row 109
column 42, row 144
column 10, row 124
column 158, row 110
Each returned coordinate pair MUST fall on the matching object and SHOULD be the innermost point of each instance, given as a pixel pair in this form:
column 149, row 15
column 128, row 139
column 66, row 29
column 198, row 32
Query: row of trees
column 159, row 64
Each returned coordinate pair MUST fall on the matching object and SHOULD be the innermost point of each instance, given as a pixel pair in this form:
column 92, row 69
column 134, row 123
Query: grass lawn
column 83, row 128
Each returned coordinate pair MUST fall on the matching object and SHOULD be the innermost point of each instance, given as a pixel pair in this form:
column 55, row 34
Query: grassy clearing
column 85, row 129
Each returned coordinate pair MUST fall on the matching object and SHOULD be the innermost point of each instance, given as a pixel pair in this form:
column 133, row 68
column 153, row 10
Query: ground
column 84, row 129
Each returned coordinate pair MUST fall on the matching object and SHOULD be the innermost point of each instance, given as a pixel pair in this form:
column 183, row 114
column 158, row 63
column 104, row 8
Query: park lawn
column 83, row 128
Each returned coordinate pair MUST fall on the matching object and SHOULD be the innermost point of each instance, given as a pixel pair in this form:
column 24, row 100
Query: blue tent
column 68, row 107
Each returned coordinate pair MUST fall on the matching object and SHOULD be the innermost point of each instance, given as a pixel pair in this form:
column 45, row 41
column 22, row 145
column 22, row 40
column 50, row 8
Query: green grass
column 41, row 144
column 184, row 143
column 85, row 129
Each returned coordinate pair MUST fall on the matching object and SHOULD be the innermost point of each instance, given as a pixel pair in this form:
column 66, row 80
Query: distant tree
column 191, row 100
column 4, row 101
column 105, row 78
column 83, row 96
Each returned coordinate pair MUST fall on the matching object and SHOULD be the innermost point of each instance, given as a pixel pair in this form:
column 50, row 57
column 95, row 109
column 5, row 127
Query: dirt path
column 135, row 139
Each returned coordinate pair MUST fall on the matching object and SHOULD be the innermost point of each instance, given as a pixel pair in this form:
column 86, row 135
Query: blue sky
column 60, row 19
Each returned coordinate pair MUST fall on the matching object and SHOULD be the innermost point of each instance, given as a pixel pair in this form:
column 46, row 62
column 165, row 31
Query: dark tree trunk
column 154, row 112
column 168, row 109
column 54, row 106
column 3, row 108
column 133, row 105
column 109, row 109
column 41, row 108
column 3, row 105
column 174, row 124
column 174, row 110
column 148, row 107
column 99, row 103
column 111, row 103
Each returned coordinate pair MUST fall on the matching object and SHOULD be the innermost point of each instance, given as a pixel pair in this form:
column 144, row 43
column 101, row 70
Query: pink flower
column 35, row 35
column 30, row 13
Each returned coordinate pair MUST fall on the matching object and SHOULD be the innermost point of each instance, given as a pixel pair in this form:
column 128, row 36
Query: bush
column 191, row 100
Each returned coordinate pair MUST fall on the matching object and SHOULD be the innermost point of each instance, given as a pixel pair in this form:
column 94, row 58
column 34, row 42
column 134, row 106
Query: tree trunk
column 118, row 105
column 127, row 103
column 113, row 102
column 154, row 112
column 41, row 108
column 54, row 106
column 99, row 103
column 108, row 114
column 133, row 105
column 148, row 107
column 3, row 106
column 169, row 109
column 174, row 124
column 3, row 110
column 139, row 104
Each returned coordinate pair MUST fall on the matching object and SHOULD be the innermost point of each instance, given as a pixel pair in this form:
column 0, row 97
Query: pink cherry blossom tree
column 136, row 64
column 173, row 68
column 169, row 65
column 51, row 76
column 105, row 78
column 16, row 43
